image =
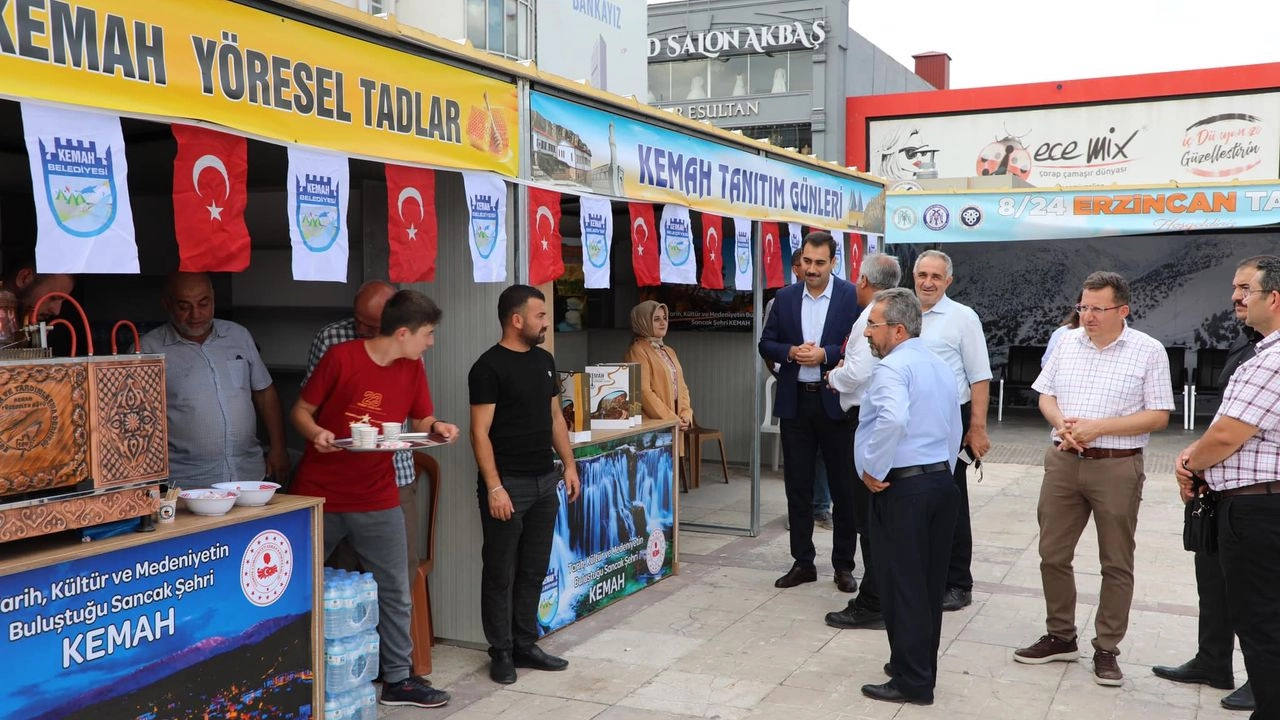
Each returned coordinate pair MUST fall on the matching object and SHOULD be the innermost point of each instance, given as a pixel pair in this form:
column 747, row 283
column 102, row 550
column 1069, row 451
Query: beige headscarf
column 642, row 320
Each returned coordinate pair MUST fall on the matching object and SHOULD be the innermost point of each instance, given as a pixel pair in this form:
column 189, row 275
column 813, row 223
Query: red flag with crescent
column 209, row 195
column 644, row 245
column 546, row 263
column 712, row 252
column 772, row 251
column 411, row 224
column 855, row 255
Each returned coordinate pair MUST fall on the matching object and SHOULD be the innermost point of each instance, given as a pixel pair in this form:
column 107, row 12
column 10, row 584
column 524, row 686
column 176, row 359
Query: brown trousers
column 1074, row 488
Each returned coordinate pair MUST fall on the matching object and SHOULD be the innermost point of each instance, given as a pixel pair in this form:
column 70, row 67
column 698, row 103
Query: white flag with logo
column 743, row 272
column 837, row 267
column 319, row 186
column 79, row 175
column 596, row 222
column 796, row 237
column 487, row 229
column 678, row 265
column 873, row 243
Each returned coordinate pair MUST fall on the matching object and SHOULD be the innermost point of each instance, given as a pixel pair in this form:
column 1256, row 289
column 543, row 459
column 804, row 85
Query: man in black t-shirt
column 515, row 424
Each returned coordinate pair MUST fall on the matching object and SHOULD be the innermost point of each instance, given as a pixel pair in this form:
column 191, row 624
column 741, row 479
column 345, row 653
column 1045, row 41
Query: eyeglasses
column 1082, row 309
column 876, row 325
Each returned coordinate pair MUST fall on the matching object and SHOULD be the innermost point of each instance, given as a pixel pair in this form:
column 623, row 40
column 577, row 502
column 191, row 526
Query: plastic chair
column 420, row 625
column 770, row 424
column 696, row 435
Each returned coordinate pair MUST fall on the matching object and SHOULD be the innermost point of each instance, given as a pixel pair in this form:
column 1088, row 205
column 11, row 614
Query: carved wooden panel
column 43, row 426
column 129, row 430
column 26, row 522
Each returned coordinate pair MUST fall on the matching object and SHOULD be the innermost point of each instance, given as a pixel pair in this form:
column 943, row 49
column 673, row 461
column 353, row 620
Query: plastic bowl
column 251, row 494
column 208, row 501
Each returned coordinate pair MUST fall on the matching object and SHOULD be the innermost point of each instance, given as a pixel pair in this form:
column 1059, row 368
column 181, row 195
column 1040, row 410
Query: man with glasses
column 1104, row 390
column 1212, row 663
column 954, row 333
column 1239, row 458
column 907, row 441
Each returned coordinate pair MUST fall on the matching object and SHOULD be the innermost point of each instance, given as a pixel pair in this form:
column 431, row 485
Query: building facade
column 779, row 71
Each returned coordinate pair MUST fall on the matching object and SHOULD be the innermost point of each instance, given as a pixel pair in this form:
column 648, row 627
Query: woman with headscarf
column 663, row 395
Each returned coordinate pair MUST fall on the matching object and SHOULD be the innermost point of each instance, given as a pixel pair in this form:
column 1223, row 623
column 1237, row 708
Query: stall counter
column 620, row 536
column 218, row 615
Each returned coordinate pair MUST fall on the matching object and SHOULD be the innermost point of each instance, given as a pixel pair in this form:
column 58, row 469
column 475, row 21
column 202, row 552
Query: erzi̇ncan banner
column 258, row 73
column 917, row 217
column 595, row 151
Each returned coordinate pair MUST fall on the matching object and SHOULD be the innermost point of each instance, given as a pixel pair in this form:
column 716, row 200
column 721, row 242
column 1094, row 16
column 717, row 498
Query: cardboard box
column 611, row 396
column 575, row 398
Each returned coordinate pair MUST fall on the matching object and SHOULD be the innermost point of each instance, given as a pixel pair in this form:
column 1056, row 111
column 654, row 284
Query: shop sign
column 259, row 74
column 619, row 537
column 754, row 39
column 1228, row 137
column 920, row 217
column 216, row 622
column 638, row 161
column 720, row 110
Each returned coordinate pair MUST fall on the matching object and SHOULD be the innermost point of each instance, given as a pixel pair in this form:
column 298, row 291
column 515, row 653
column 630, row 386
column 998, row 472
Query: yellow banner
column 258, row 73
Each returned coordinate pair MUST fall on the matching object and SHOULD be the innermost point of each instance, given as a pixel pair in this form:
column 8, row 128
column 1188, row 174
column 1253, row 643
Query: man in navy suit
column 804, row 335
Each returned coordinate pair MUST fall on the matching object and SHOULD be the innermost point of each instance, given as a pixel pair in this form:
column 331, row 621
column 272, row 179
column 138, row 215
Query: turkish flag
column 712, row 252
column 411, row 224
column 772, row 252
column 644, row 245
column 545, row 260
column 855, row 256
column 209, row 195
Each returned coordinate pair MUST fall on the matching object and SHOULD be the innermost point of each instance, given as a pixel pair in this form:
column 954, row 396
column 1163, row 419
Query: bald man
column 216, row 388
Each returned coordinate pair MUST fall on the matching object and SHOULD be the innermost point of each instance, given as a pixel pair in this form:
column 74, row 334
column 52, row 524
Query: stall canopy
column 1035, row 214
column 259, row 74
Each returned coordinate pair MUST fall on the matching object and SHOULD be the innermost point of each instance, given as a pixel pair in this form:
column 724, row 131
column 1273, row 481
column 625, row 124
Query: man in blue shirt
column 905, row 451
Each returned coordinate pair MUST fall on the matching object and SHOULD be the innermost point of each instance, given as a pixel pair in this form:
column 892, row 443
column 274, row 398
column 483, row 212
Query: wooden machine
column 83, row 441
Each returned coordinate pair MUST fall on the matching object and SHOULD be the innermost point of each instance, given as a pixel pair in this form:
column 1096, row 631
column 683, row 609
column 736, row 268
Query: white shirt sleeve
column 851, row 378
column 973, row 349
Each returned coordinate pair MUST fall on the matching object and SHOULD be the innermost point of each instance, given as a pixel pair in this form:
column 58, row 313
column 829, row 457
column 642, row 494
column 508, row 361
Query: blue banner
column 927, row 217
column 580, row 148
column 211, row 624
column 619, row 537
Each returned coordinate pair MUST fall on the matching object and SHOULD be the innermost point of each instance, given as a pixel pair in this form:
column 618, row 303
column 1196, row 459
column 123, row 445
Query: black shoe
column 888, row 693
column 534, row 657
column 502, row 668
column 956, row 598
column 855, row 618
column 413, row 691
column 1241, row 699
column 845, row 581
column 1193, row 672
column 797, row 576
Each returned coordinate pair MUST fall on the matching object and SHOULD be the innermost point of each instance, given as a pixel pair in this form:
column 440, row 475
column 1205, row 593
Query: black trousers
column 811, row 431
column 960, row 573
column 912, row 524
column 1249, row 550
column 515, row 557
column 869, row 589
column 1217, row 640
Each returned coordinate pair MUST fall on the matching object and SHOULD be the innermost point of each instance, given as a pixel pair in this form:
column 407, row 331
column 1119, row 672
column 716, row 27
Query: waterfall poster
column 619, row 537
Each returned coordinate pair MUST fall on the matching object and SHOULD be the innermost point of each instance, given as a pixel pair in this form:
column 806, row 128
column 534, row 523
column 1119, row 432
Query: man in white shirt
column 1105, row 390
column 850, row 379
column 954, row 333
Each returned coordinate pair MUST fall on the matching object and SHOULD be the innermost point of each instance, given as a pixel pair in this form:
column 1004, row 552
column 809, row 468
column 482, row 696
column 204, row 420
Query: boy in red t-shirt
column 377, row 380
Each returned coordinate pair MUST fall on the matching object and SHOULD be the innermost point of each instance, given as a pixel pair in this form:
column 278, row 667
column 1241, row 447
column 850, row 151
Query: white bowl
column 251, row 494
column 208, row 501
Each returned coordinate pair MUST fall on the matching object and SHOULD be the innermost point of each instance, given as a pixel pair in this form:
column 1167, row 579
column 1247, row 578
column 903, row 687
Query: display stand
column 217, row 615
column 620, row 536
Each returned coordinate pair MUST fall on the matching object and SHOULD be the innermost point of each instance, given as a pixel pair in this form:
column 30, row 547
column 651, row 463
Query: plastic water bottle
column 333, row 605
column 368, row 597
column 367, row 700
column 338, row 657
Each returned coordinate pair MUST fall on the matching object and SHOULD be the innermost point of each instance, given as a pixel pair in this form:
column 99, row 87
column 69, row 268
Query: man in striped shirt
column 1104, row 390
column 1239, row 457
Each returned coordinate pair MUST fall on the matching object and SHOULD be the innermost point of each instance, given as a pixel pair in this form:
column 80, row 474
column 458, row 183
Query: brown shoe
column 1048, row 649
column 1106, row 670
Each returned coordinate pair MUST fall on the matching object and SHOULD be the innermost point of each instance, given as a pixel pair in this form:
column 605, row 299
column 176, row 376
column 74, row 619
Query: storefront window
column 689, row 80
column 769, row 74
column 659, row 82
column 796, row 136
column 502, row 27
column 729, row 76
column 801, row 72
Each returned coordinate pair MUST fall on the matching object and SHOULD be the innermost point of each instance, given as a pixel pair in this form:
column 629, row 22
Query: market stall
column 207, row 615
